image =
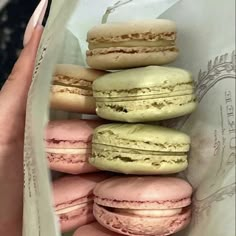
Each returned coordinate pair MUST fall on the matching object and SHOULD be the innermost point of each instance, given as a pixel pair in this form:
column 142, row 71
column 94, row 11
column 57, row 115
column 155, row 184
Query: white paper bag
column 206, row 38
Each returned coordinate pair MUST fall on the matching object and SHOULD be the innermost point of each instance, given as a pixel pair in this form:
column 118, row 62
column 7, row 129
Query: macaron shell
column 70, row 130
column 79, row 72
column 94, row 229
column 122, row 58
column 70, row 188
column 70, row 164
column 130, row 28
column 164, row 79
column 143, row 192
column 135, row 226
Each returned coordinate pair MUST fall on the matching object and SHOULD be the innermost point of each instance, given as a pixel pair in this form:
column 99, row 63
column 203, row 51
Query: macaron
column 132, row 44
column 145, row 94
column 71, row 88
column 143, row 205
column 73, row 199
column 139, row 149
column 94, row 229
column 69, row 145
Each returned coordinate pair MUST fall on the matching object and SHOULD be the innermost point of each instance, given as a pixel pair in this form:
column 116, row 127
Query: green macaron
column 139, row 149
column 144, row 94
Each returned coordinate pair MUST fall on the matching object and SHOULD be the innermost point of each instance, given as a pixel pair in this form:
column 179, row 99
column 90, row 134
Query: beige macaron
column 132, row 44
column 71, row 88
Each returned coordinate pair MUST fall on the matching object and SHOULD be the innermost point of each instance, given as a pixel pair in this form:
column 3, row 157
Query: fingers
column 13, row 95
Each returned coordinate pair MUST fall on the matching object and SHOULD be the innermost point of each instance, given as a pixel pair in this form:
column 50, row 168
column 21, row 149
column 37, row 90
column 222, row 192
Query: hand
column 13, row 98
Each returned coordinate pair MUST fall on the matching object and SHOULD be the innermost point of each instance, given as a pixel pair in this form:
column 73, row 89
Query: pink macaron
column 94, row 229
column 144, row 206
column 68, row 145
column 73, row 199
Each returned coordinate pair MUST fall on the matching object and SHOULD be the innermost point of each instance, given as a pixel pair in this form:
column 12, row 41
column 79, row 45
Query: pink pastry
column 68, row 145
column 94, row 229
column 147, row 206
column 73, row 199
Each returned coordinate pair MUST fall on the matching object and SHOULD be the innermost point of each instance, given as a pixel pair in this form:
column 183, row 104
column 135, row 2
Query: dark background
column 13, row 21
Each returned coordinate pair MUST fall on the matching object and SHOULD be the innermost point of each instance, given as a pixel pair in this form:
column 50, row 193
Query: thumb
column 13, row 95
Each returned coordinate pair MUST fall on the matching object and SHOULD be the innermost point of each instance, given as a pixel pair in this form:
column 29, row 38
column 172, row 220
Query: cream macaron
column 132, row 44
column 71, row 88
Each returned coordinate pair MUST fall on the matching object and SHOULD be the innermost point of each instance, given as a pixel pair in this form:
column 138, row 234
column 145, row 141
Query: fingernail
column 36, row 19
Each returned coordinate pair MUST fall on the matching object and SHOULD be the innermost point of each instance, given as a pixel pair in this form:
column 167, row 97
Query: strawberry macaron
column 68, row 145
column 144, row 206
column 73, row 199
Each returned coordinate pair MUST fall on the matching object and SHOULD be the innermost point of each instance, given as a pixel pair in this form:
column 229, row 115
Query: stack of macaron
column 132, row 89
column 145, row 200
column 68, row 146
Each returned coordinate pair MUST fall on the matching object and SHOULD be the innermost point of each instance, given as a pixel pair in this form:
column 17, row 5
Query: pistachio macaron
column 132, row 44
column 145, row 94
column 139, row 149
column 71, row 88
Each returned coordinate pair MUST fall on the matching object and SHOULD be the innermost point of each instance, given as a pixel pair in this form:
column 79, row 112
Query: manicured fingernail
column 36, row 19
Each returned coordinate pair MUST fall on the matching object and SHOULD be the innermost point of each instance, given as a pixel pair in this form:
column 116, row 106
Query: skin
column 13, row 98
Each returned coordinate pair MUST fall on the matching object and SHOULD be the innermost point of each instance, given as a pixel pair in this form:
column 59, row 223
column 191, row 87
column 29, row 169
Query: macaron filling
column 130, row 50
column 69, row 89
column 147, row 36
column 68, row 151
column 148, row 212
column 66, row 80
column 132, row 93
column 73, row 144
column 132, row 43
column 136, row 155
column 70, row 207
column 72, row 85
column 154, row 159
column 154, row 103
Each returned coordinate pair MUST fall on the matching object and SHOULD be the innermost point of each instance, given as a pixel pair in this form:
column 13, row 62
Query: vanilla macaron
column 71, row 88
column 132, row 44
